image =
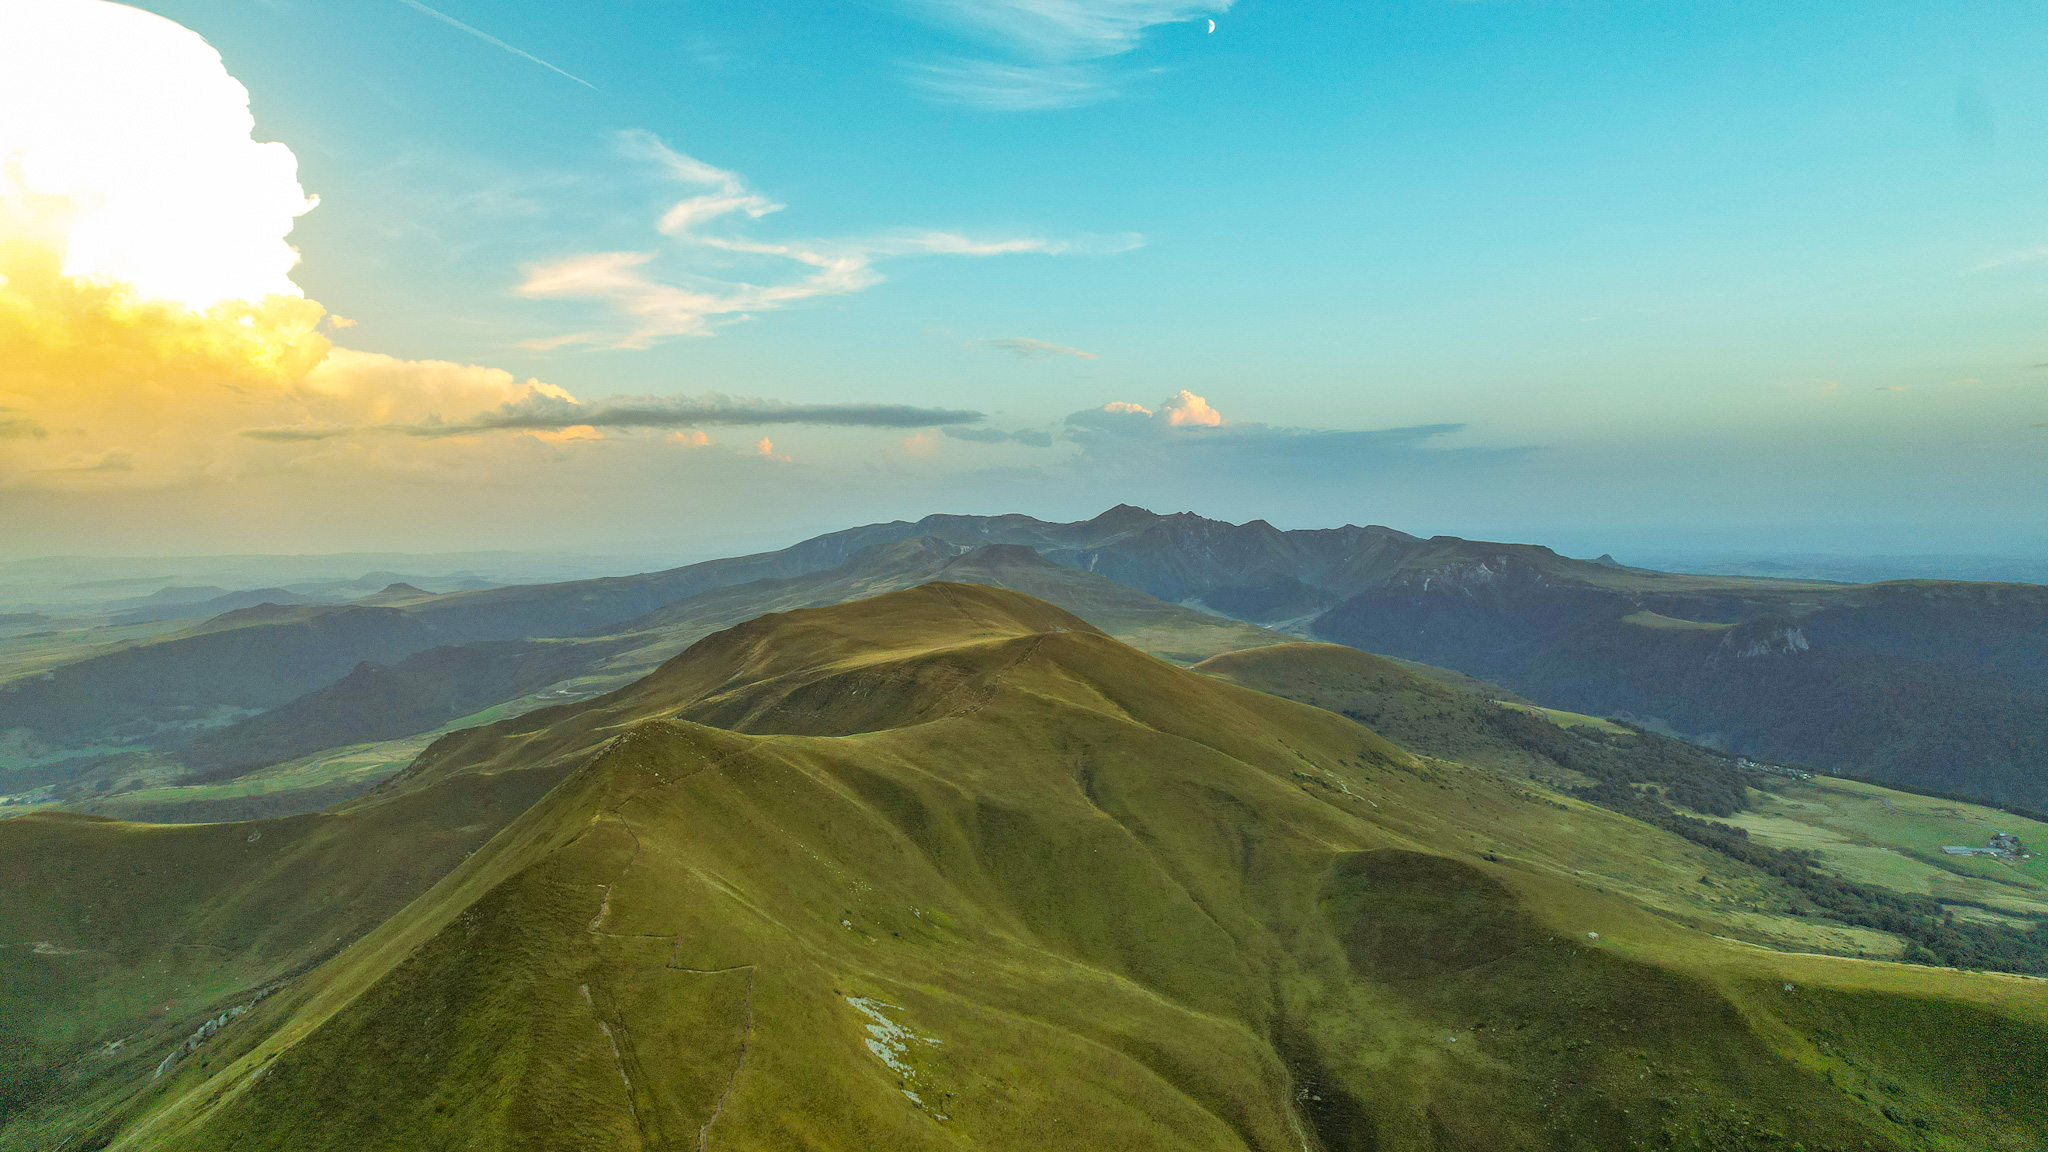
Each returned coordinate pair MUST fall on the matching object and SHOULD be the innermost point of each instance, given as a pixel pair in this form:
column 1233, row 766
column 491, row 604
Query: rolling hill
column 950, row 867
column 384, row 700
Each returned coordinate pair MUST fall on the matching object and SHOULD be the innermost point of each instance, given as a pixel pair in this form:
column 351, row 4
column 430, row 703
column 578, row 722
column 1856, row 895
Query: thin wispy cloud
column 1004, row 87
column 1047, row 53
column 1066, row 29
column 1025, row 348
column 646, row 308
column 1032, row 437
column 2010, row 259
column 487, row 38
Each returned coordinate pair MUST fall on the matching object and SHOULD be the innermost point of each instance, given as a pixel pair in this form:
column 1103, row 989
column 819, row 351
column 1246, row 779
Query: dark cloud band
column 692, row 412
column 550, row 414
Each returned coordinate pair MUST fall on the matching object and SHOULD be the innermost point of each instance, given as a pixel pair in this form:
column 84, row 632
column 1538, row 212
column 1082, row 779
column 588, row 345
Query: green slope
column 952, row 868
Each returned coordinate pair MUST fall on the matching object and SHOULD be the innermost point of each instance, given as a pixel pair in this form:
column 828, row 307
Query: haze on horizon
column 282, row 277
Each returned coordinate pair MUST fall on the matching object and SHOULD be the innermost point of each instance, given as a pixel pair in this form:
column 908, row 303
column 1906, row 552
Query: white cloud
column 1067, row 29
column 126, row 145
column 647, row 309
column 1052, row 50
column 1004, row 87
column 1187, row 410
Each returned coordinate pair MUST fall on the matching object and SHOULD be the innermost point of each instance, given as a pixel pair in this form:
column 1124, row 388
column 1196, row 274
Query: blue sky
column 1630, row 271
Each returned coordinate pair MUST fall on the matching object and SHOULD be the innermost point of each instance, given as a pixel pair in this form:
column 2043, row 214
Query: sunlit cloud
column 151, row 336
column 1048, row 53
column 643, row 308
column 1187, row 433
column 1183, row 409
column 126, row 146
column 1186, row 409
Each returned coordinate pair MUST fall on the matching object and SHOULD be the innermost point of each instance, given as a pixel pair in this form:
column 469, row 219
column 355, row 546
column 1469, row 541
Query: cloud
column 94, row 462
column 647, row 308
column 1187, row 433
column 1001, row 87
column 1187, row 410
column 1067, row 29
column 1183, row 409
column 151, row 337
column 2010, row 259
column 126, row 147
column 301, row 434
column 487, row 38
column 1025, row 348
column 541, row 412
column 1050, row 52
column 1035, row 438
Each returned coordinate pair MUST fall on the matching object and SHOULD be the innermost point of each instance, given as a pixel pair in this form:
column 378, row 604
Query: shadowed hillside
column 951, row 868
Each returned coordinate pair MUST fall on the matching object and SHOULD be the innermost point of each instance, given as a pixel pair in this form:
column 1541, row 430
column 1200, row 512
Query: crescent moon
column 1212, row 26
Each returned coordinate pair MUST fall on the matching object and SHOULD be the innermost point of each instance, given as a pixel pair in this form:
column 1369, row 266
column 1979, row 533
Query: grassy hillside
column 1896, row 839
column 952, row 868
column 1847, row 854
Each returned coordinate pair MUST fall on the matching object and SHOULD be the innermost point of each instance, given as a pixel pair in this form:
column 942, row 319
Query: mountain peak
column 1126, row 514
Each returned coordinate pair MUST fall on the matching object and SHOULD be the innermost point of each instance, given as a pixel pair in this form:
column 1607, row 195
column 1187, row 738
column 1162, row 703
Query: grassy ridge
column 955, row 869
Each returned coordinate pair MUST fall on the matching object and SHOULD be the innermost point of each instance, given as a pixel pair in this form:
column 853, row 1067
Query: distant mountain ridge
column 1938, row 684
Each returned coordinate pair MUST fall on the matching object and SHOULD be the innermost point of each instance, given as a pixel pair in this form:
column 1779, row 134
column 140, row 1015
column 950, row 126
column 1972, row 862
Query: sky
column 686, row 278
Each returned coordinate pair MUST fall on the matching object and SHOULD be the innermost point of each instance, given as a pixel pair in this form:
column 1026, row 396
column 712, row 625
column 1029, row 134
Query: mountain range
column 952, row 867
column 1934, row 684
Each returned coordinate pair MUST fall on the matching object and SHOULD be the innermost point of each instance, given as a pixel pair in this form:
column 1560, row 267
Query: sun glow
column 125, row 143
column 150, row 332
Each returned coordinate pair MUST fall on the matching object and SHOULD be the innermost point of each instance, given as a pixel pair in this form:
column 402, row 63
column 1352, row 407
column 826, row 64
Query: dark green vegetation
column 1637, row 773
column 952, row 868
column 1930, row 927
